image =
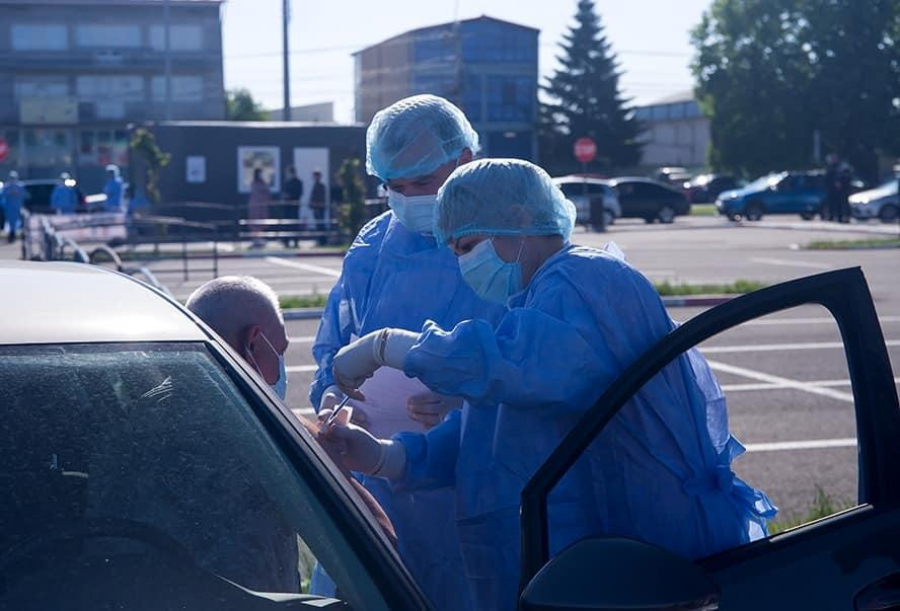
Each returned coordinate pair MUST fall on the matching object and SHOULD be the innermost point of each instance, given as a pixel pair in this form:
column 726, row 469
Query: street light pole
column 285, row 19
column 168, row 51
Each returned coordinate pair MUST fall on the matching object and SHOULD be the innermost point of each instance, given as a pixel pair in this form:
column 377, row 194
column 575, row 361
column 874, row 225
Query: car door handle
column 882, row 595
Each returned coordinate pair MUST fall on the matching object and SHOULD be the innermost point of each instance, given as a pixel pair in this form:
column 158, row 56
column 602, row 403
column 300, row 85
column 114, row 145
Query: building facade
column 75, row 73
column 486, row 66
column 675, row 132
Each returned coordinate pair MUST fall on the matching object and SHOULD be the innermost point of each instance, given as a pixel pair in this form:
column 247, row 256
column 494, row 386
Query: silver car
column 882, row 202
column 586, row 194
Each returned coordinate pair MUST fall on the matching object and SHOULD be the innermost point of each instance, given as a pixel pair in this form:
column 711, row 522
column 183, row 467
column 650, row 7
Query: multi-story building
column 75, row 73
column 486, row 66
column 675, row 132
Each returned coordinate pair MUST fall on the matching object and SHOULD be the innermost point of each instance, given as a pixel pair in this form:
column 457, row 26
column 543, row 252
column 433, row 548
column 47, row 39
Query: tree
column 772, row 73
column 584, row 100
column 352, row 213
column 143, row 145
column 240, row 106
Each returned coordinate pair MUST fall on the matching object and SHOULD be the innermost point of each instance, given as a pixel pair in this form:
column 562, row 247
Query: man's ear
column 248, row 337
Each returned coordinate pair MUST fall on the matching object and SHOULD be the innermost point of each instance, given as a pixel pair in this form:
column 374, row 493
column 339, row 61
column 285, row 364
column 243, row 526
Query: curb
column 669, row 302
column 246, row 255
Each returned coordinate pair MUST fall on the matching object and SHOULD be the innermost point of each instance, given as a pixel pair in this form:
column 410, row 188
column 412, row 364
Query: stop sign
column 585, row 150
column 4, row 150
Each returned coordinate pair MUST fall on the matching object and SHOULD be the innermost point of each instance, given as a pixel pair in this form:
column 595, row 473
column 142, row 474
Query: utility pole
column 168, row 51
column 285, row 19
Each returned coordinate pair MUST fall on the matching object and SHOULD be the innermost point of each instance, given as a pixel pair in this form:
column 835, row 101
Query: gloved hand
column 430, row 408
column 356, row 362
column 331, row 397
column 357, row 450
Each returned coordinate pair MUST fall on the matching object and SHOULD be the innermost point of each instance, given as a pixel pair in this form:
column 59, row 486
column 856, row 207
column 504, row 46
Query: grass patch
column 303, row 301
column 847, row 244
column 704, row 210
column 738, row 287
column 822, row 507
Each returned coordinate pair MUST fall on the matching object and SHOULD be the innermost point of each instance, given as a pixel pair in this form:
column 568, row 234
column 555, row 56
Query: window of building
column 184, row 88
column 40, row 87
column 110, row 88
column 102, row 147
column 48, row 148
column 181, row 37
column 39, row 37
column 104, row 36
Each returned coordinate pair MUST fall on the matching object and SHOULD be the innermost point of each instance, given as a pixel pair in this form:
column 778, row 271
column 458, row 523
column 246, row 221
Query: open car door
column 848, row 560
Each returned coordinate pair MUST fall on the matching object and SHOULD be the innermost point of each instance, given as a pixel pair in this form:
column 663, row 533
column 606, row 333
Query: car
column 38, row 192
column 801, row 193
column 672, row 175
column 650, row 200
column 141, row 451
column 705, row 188
column 588, row 208
column 883, row 203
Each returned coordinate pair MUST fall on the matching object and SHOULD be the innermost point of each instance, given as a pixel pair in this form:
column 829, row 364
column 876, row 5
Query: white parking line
column 301, row 368
column 807, row 321
column 318, row 269
column 781, row 347
column 814, row 444
column 790, row 263
column 766, row 386
column 785, row 382
column 302, row 339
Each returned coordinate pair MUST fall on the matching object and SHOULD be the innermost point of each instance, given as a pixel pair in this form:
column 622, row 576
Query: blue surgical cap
column 501, row 197
column 414, row 136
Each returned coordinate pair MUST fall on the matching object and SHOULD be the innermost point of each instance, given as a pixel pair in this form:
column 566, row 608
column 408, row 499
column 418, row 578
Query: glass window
column 41, row 87
column 108, row 36
column 112, row 88
column 184, row 88
column 43, row 37
column 152, row 461
column 48, row 148
column 181, row 37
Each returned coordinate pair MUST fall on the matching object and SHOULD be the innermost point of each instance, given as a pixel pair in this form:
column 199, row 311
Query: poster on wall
column 267, row 159
column 196, row 169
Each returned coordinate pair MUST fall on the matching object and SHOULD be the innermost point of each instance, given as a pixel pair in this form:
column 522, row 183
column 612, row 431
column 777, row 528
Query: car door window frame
column 845, row 294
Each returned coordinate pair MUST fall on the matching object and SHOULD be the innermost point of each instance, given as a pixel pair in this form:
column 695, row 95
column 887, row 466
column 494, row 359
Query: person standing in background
column 64, row 198
column 318, row 198
column 13, row 198
column 113, row 189
column 258, row 205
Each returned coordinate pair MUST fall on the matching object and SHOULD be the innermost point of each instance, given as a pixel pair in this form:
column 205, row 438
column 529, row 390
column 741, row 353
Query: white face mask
column 416, row 212
column 280, row 385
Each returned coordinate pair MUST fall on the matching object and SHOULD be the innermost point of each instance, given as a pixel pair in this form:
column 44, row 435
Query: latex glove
column 430, row 408
column 358, row 450
column 331, row 397
column 356, row 362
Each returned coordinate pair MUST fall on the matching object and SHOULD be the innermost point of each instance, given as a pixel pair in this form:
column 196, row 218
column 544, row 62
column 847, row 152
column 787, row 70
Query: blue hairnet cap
column 501, row 197
column 414, row 136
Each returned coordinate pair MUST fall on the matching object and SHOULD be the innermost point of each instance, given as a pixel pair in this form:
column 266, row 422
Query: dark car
column 705, row 188
column 147, row 468
column 39, row 191
column 649, row 200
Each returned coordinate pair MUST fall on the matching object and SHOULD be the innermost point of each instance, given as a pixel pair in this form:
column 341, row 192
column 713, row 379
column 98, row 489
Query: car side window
column 152, row 451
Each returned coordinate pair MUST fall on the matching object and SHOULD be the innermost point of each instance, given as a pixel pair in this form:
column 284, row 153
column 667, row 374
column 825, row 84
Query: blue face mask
column 415, row 212
column 492, row 278
column 280, row 385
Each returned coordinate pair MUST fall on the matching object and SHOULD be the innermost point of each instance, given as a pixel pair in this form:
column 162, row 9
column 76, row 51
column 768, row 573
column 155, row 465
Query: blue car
column 800, row 193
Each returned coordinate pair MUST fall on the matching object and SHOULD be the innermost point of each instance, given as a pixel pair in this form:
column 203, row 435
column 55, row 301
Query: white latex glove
column 430, row 408
column 356, row 362
column 360, row 451
column 331, row 397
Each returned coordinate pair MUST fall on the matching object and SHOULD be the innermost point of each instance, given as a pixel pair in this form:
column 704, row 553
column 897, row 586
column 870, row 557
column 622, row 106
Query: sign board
column 195, row 169
column 585, row 150
column 265, row 158
column 48, row 111
column 4, row 150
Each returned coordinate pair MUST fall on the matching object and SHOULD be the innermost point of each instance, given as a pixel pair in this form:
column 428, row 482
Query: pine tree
column 585, row 101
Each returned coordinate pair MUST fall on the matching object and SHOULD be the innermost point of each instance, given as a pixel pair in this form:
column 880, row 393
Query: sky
column 650, row 37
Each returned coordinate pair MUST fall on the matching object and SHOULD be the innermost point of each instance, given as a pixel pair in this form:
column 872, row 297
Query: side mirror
column 613, row 574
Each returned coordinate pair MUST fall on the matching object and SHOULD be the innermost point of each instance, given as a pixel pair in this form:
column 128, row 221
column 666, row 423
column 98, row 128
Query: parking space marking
column 807, row 321
column 302, row 339
column 759, row 376
column 767, row 386
column 814, row 444
column 301, row 368
column 790, row 263
column 781, row 347
column 318, row 269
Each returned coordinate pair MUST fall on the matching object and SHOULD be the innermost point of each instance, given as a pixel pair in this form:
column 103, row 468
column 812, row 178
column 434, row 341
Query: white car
column 583, row 192
column 881, row 202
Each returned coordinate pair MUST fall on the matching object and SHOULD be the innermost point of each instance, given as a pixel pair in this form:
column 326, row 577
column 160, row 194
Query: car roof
column 621, row 179
column 571, row 178
column 59, row 302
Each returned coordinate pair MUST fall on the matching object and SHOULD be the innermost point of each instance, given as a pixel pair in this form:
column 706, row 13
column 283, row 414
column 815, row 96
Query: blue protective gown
column 659, row 472
column 13, row 199
column 393, row 277
column 64, row 199
column 113, row 191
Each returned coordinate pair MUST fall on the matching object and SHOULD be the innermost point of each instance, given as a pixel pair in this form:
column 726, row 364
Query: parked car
column 650, row 200
column 38, row 192
column 705, row 188
column 882, row 202
column 800, row 193
column 601, row 198
column 672, row 175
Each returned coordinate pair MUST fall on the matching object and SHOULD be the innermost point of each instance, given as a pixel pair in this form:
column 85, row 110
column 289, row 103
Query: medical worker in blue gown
column 397, row 275
column 659, row 472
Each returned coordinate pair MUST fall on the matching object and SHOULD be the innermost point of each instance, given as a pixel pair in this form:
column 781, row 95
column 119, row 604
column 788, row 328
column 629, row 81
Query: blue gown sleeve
column 335, row 330
column 548, row 354
column 431, row 457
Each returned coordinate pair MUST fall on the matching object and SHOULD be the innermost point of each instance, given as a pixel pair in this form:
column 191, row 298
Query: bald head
column 231, row 304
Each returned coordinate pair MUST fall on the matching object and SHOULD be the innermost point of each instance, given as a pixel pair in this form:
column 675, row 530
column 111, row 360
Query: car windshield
column 147, row 457
column 763, row 182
